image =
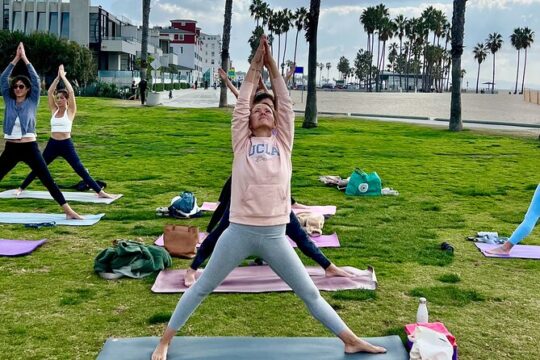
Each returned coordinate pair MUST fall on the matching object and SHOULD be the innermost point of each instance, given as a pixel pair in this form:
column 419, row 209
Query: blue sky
column 341, row 34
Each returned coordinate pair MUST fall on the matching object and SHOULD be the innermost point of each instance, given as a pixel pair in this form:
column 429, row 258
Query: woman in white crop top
column 63, row 108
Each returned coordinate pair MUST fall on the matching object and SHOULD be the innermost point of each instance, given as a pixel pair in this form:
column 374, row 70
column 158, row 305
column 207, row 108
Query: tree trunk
column 284, row 53
column 144, row 40
column 458, row 28
column 493, row 79
column 225, row 50
column 517, row 74
column 477, row 78
column 310, row 115
column 294, row 57
column 524, row 68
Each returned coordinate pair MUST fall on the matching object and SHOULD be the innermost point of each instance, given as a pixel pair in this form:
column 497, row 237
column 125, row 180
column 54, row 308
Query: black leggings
column 65, row 149
column 29, row 153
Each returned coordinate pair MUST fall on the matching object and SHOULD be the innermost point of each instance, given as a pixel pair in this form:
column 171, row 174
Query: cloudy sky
column 341, row 34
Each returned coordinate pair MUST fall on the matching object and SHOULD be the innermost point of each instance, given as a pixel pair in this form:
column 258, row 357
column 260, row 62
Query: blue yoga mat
column 249, row 348
column 36, row 218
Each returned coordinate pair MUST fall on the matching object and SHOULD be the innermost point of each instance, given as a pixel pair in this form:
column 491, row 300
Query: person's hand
column 267, row 51
column 21, row 52
column 258, row 59
column 291, row 70
column 222, row 74
column 61, row 72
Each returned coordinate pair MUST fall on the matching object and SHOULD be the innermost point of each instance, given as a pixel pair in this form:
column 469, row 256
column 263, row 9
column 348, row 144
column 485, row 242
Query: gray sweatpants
column 267, row 242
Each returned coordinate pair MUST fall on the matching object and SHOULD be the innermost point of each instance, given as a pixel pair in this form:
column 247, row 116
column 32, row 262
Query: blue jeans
column 65, row 149
column 294, row 230
column 529, row 222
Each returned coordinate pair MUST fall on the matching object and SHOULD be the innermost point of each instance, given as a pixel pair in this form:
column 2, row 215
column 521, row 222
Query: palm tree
column 480, row 53
column 257, row 10
column 310, row 114
column 144, row 40
column 401, row 24
column 494, row 43
column 369, row 20
column 225, row 50
column 299, row 23
column 458, row 29
column 386, row 31
column 528, row 39
column 321, row 66
column 516, row 39
column 277, row 20
column 286, row 23
column 328, row 66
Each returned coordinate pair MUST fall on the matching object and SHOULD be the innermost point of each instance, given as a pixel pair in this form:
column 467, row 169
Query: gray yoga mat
column 518, row 251
column 90, row 197
column 36, row 218
column 249, row 348
column 258, row 279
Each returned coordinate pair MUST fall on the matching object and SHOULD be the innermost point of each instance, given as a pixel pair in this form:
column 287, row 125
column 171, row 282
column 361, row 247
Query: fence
column 532, row 96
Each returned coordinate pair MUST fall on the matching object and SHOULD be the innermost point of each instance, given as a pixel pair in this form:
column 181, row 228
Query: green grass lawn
column 52, row 305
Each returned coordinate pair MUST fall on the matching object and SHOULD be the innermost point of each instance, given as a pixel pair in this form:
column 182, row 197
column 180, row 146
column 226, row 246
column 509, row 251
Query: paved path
column 430, row 109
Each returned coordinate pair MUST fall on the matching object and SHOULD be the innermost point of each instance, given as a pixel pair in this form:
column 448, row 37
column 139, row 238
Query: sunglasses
column 20, row 87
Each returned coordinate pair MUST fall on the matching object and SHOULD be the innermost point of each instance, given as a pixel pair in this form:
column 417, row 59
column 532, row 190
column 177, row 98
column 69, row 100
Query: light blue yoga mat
column 36, row 218
column 249, row 348
column 89, row 197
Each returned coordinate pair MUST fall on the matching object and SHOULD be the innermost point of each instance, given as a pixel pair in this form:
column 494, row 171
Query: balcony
column 127, row 45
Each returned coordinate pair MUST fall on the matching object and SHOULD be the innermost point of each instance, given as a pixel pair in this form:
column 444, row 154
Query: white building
column 211, row 57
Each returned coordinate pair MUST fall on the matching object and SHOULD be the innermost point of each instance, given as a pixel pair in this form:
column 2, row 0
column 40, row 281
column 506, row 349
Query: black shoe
column 447, row 247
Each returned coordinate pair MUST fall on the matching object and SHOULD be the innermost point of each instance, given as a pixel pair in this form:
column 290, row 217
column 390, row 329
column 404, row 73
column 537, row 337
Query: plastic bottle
column 422, row 315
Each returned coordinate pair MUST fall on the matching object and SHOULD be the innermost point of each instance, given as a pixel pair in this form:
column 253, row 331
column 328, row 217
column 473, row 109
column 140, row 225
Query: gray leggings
column 268, row 242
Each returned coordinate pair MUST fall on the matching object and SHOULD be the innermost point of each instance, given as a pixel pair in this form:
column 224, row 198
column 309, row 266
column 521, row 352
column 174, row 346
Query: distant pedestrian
column 196, row 83
column 142, row 90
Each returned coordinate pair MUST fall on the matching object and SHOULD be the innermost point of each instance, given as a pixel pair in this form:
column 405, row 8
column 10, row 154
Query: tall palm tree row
column 516, row 39
column 494, row 43
column 528, row 39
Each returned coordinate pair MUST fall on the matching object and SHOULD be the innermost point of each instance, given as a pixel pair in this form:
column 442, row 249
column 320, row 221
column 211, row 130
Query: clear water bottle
column 422, row 315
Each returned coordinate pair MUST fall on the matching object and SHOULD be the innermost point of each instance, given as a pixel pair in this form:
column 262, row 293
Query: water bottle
column 422, row 313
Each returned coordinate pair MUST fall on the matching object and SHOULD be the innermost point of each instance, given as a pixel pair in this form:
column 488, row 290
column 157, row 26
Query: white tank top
column 16, row 132
column 62, row 124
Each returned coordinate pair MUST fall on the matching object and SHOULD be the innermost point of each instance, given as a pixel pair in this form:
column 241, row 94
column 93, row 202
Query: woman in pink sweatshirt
column 260, row 208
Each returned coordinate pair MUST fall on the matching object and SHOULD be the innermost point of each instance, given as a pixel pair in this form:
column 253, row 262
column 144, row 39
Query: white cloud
column 500, row 4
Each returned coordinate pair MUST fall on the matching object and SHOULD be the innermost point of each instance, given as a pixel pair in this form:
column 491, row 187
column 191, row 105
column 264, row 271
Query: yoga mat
column 19, row 247
column 326, row 210
column 321, row 241
column 518, row 251
column 69, row 196
column 249, row 348
column 257, row 279
column 35, row 218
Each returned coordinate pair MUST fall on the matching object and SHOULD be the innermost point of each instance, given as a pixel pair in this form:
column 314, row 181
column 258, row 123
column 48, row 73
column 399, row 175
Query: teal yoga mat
column 249, row 348
column 36, row 218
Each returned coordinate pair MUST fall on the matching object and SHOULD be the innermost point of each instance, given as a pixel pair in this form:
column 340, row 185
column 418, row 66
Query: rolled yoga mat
column 518, row 251
column 68, row 195
column 19, row 247
column 326, row 210
column 249, row 348
column 261, row 278
column 37, row 218
column 323, row 241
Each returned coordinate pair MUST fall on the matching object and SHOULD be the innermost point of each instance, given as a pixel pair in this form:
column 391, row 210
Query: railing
column 124, row 38
column 125, row 77
column 532, row 96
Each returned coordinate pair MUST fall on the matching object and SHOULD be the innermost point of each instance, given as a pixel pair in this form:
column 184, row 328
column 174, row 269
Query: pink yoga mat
column 518, row 251
column 257, row 279
column 19, row 247
column 326, row 210
column 325, row 241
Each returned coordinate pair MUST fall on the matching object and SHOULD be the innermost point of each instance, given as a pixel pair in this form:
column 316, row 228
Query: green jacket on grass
column 133, row 259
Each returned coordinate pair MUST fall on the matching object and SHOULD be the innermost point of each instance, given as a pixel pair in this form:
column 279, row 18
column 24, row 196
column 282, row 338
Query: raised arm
column 4, row 78
column 284, row 111
column 34, row 78
column 50, row 94
column 290, row 73
column 228, row 82
column 72, row 104
column 240, row 121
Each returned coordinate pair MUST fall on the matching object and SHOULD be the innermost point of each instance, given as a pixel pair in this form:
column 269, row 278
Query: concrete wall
column 79, row 21
column 532, row 96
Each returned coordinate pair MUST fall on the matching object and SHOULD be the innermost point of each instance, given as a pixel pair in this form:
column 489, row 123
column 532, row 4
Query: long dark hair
column 25, row 80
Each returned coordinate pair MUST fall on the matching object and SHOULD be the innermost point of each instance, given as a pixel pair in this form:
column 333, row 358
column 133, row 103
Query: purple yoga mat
column 326, row 210
column 257, row 279
column 518, row 251
column 326, row 241
column 19, row 247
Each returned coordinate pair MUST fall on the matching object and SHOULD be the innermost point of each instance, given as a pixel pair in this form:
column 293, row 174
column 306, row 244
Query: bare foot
column 363, row 346
column 18, row 192
column 160, row 353
column 103, row 194
column 189, row 277
column 333, row 270
column 504, row 249
column 70, row 213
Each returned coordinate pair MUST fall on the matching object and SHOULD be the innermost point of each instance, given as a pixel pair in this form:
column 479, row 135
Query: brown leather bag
column 181, row 241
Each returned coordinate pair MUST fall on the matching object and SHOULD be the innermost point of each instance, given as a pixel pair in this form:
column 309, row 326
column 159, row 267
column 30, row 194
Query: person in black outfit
column 220, row 221
column 142, row 90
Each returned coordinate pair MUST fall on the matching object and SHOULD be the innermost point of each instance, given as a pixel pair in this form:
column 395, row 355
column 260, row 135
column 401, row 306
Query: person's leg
column 8, row 159
column 68, row 152
column 49, row 154
column 206, row 249
column 524, row 229
column 233, row 246
column 284, row 261
column 33, row 158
